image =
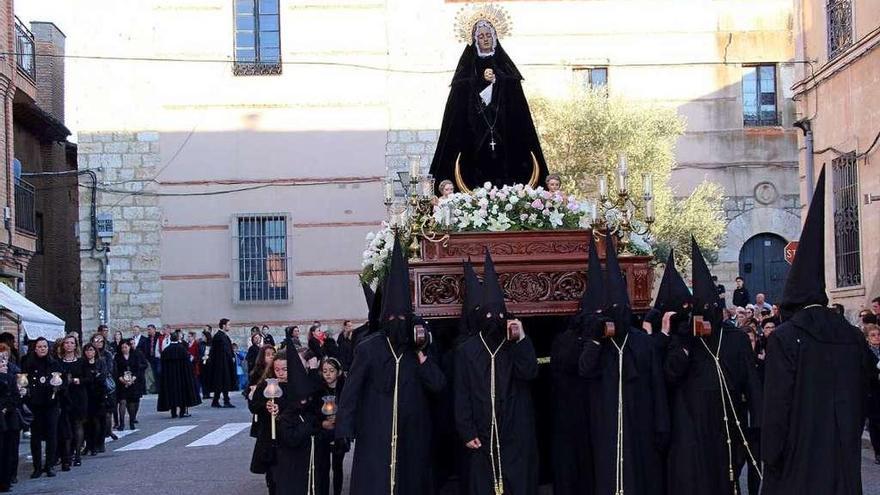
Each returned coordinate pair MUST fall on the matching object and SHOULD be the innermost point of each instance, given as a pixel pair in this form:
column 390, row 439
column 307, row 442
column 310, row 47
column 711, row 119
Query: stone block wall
column 405, row 143
column 125, row 163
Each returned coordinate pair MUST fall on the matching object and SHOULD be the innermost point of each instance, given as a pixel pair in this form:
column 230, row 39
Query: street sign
column 790, row 250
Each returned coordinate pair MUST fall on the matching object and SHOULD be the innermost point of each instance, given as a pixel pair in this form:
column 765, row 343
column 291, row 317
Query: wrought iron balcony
column 25, row 217
column 24, row 50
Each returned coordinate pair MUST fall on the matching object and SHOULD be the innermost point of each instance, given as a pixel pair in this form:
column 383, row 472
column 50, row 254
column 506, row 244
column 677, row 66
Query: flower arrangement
column 488, row 208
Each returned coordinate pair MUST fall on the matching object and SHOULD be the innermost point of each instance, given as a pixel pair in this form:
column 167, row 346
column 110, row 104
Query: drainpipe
column 806, row 126
column 104, row 260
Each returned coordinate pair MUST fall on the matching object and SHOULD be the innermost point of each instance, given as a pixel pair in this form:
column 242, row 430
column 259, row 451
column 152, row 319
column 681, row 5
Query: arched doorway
column 763, row 267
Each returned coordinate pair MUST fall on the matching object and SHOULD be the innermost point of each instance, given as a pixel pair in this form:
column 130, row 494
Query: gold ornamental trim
column 459, row 181
column 469, row 16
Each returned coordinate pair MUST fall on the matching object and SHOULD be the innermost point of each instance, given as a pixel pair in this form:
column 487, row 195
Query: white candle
column 649, row 209
column 621, row 174
column 414, row 167
column 648, row 182
column 603, row 186
column 389, row 191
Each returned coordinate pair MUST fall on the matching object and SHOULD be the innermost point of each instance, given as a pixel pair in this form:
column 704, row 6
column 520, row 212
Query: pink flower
column 546, row 194
column 537, row 204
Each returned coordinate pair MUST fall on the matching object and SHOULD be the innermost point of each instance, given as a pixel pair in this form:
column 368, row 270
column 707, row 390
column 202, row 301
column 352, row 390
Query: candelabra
column 623, row 208
column 413, row 216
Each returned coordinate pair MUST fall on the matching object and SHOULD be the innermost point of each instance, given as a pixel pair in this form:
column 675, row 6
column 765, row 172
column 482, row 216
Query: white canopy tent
column 36, row 321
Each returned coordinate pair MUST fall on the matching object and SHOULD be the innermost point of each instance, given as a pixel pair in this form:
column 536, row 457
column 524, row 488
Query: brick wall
column 123, row 161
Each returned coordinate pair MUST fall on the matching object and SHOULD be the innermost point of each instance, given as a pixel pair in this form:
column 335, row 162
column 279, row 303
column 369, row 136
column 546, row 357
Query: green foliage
column 582, row 136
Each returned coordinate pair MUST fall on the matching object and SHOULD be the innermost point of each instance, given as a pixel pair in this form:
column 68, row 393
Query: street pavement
column 208, row 453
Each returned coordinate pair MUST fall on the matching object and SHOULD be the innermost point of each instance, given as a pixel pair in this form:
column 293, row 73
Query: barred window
column 257, row 37
column 759, row 95
column 840, row 25
column 591, row 77
column 846, row 221
column 262, row 258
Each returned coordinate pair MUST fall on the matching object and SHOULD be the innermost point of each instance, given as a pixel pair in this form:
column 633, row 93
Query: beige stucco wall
column 842, row 103
column 328, row 122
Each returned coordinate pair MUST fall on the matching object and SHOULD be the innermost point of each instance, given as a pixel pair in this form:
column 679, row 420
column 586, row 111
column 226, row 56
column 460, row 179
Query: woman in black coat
column 44, row 382
column 74, row 403
column 130, row 383
column 10, row 420
column 320, row 345
column 111, row 417
column 95, row 375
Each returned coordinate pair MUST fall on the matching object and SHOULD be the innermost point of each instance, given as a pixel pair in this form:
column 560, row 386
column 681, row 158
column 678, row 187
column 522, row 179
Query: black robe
column 177, row 386
column 365, row 412
column 645, row 413
column 698, row 457
column 222, row 376
column 818, row 371
column 467, row 126
column 294, row 451
column 572, row 451
column 515, row 367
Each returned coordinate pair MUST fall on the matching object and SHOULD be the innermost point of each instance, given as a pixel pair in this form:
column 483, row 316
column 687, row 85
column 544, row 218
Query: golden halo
column 494, row 14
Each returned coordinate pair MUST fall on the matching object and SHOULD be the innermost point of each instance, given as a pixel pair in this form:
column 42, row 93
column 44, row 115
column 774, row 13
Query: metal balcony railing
column 24, row 50
column 25, row 217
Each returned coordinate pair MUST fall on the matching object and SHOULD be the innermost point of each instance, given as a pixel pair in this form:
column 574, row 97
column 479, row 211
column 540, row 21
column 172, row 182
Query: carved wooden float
column 541, row 272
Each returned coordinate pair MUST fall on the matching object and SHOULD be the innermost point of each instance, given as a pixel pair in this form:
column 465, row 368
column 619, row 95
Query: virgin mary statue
column 487, row 133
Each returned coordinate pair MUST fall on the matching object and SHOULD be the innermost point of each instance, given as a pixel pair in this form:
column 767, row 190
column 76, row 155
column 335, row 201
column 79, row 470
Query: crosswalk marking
column 157, row 438
column 220, row 435
column 121, row 434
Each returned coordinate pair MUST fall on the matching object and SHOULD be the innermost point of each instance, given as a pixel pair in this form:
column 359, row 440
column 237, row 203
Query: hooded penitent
column 705, row 297
column 618, row 306
column 805, row 284
column 594, row 296
column 673, row 293
column 396, row 315
column 493, row 311
column 473, row 292
column 818, row 377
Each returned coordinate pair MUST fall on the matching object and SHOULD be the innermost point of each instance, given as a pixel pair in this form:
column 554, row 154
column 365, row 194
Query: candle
column 447, row 215
column 648, row 182
column 593, row 212
column 621, row 174
column 603, row 186
column 415, row 167
column 389, row 191
column 649, row 210
column 427, row 186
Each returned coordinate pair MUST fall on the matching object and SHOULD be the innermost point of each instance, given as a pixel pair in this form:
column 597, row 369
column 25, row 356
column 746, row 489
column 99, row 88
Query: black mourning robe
column 645, row 413
column 515, row 367
column 365, row 412
column 572, row 451
column 818, row 370
column 698, row 457
column 177, row 386
column 222, row 376
column 295, row 430
column 467, row 123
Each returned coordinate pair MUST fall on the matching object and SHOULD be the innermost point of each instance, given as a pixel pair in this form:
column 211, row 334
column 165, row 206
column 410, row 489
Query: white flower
column 483, row 202
column 508, row 207
column 556, row 219
column 513, row 199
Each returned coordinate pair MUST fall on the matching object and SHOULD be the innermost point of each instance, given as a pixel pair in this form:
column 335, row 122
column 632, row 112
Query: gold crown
column 494, row 14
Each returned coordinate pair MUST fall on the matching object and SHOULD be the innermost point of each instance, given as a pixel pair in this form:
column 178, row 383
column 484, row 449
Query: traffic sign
column 790, row 250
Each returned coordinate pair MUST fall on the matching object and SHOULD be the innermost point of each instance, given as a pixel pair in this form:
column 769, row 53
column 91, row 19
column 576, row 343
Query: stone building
column 838, row 103
column 242, row 163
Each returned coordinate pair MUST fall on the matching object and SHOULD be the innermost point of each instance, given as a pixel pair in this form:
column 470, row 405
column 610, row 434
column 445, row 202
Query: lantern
column 272, row 392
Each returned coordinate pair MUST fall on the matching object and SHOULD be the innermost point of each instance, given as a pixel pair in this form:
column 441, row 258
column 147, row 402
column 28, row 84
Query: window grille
column 591, row 77
column 262, row 258
column 840, row 19
column 257, row 38
column 759, row 95
column 846, row 221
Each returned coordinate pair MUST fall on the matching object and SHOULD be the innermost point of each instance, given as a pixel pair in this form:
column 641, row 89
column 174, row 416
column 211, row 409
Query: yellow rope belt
column 494, row 437
column 393, row 466
column 726, row 399
column 618, row 481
